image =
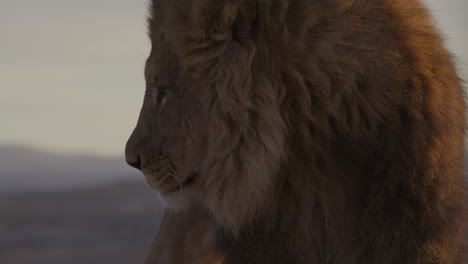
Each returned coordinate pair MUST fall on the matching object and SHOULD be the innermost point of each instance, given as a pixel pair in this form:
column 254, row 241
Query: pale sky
column 71, row 72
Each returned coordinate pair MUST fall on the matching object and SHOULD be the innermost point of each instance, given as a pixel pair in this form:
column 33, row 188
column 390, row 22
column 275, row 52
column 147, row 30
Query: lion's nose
column 135, row 163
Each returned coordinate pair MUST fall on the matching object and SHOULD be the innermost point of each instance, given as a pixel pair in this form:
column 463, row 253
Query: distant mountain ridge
column 30, row 169
column 112, row 223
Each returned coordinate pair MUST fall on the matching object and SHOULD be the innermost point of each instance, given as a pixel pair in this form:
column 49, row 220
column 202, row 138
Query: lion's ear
column 244, row 25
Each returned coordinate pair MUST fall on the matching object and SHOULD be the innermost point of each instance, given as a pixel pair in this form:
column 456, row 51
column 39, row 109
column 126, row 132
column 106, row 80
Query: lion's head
column 211, row 130
column 315, row 131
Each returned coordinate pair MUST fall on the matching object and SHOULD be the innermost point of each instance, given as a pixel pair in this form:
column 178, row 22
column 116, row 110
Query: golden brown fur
column 319, row 131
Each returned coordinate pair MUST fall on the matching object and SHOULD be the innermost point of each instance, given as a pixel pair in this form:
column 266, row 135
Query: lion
column 311, row 131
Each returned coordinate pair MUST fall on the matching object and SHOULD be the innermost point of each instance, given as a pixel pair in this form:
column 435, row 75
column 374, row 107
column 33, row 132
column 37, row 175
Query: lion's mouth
column 188, row 181
column 163, row 176
column 170, row 183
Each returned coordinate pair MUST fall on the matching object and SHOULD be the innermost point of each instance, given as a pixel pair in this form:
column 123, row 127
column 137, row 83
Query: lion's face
column 168, row 144
column 211, row 130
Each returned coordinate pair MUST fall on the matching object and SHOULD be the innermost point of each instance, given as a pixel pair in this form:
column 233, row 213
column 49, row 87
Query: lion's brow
column 149, row 73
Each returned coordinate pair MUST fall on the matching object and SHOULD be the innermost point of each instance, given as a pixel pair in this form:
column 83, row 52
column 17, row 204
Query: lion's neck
column 273, row 238
column 256, row 245
column 307, row 214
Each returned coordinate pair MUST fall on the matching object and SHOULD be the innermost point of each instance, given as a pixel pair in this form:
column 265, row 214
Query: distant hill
column 61, row 208
column 105, row 224
column 29, row 169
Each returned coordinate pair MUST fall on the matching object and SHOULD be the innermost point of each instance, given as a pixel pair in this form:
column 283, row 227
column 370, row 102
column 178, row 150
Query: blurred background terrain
column 60, row 208
column 71, row 85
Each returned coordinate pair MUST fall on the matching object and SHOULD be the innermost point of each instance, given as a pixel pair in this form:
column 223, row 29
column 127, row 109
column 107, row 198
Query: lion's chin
column 174, row 192
column 181, row 199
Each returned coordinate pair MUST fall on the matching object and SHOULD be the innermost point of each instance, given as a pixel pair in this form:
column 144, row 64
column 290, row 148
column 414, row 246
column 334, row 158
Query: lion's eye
column 158, row 94
column 162, row 93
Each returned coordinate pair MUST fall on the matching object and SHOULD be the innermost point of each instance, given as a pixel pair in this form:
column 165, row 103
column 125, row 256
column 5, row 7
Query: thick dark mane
column 336, row 132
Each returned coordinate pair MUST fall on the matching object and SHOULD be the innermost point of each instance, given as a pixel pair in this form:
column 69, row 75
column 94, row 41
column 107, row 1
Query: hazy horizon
column 72, row 71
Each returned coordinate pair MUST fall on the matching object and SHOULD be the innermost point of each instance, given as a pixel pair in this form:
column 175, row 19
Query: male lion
column 312, row 131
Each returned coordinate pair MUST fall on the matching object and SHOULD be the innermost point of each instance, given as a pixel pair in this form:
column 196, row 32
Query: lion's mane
column 337, row 130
